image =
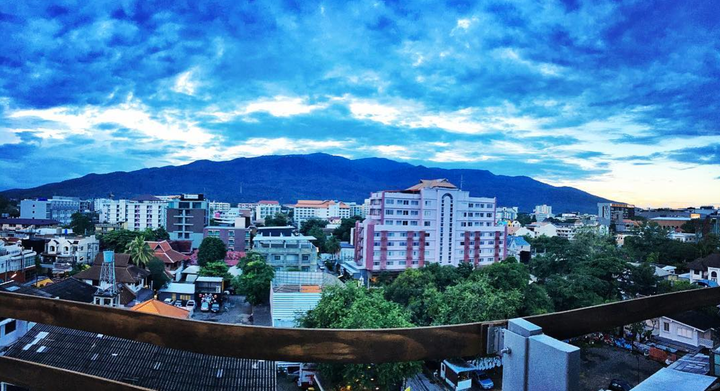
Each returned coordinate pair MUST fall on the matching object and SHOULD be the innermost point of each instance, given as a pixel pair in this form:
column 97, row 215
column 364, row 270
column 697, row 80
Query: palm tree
column 140, row 251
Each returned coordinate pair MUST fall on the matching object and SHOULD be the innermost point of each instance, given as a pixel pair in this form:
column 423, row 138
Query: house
column 457, row 374
column 71, row 289
column 16, row 224
column 170, row 257
column 141, row 364
column 519, row 248
column 157, row 307
column 689, row 330
column 209, row 285
column 72, row 250
column 177, row 291
column 707, row 268
column 125, row 272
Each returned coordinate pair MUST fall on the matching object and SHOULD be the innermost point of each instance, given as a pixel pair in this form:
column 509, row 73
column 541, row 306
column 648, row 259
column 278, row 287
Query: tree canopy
column 140, row 251
column 211, row 250
column 157, row 274
column 279, row 220
column 82, row 224
column 119, row 240
column 342, row 232
column 216, row 269
column 351, row 307
column 254, row 282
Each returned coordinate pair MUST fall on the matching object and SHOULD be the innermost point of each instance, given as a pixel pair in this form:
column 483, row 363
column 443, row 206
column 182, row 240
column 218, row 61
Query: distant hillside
column 317, row 176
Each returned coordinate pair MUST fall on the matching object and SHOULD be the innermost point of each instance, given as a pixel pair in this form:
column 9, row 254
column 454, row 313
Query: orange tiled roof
column 164, row 252
column 159, row 308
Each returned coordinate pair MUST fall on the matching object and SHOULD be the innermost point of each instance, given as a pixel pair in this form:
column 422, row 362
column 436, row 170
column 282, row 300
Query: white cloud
column 184, row 83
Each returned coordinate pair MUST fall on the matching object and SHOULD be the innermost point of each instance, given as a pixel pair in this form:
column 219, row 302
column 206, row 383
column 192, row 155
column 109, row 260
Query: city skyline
column 616, row 100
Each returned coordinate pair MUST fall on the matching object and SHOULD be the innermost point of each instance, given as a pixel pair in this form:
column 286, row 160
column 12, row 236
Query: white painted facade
column 679, row 332
column 78, row 250
column 137, row 215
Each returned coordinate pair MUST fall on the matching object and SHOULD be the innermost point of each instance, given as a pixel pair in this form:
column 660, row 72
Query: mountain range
column 288, row 178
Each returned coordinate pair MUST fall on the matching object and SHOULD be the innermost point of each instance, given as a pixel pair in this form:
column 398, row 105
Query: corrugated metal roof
column 142, row 364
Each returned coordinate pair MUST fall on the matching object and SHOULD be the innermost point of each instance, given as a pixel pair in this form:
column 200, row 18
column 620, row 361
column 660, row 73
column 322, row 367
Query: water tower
column 108, row 293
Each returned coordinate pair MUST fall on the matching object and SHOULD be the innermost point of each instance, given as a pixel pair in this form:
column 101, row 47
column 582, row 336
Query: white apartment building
column 137, row 214
column 431, row 222
column 56, row 208
column 266, row 208
column 216, row 206
column 359, row 209
column 324, row 210
column 543, row 212
column 16, row 262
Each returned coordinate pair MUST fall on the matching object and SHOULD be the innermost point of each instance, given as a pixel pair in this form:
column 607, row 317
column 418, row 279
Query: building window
column 389, row 201
column 10, row 327
column 684, row 332
column 426, row 223
column 376, row 263
column 666, row 327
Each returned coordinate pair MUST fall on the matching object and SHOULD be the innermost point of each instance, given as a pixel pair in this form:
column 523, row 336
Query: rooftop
column 71, row 289
column 430, row 183
column 696, row 319
column 139, row 363
column 158, row 307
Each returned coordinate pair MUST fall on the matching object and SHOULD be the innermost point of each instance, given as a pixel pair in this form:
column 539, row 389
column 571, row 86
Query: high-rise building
column 216, row 206
column 57, row 208
column 507, row 214
column 137, row 214
column 186, row 218
column 431, row 222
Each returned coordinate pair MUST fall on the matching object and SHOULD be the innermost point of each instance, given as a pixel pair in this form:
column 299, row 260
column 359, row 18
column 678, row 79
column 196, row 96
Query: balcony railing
column 305, row 345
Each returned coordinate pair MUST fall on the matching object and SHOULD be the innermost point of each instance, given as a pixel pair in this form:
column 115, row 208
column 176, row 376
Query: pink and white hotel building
column 431, row 222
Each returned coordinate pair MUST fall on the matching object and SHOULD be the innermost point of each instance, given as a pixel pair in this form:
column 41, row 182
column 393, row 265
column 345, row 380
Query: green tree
column 254, row 282
column 475, row 300
column 81, row 224
column 158, row 276
column 353, row 307
column 156, row 235
column 320, row 238
column 536, row 301
column 118, row 240
column 642, row 280
column 506, row 275
column 669, row 286
column 308, row 225
column 524, row 218
column 8, row 207
column 574, row 291
column 216, row 269
column 140, row 252
column 332, row 246
column 708, row 244
column 211, row 250
column 408, row 285
column 279, row 220
column 342, row 232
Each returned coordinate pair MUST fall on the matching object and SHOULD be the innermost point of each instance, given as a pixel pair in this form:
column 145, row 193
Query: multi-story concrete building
column 187, row 216
column 283, row 249
column 431, row 222
column 265, row 208
column 324, row 210
column 507, row 214
column 136, row 214
column 543, row 212
column 216, row 206
column 614, row 214
column 74, row 250
column 235, row 238
column 358, row 209
column 16, row 263
column 56, row 208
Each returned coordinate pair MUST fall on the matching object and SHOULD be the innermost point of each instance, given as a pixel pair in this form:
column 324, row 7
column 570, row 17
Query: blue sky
column 617, row 99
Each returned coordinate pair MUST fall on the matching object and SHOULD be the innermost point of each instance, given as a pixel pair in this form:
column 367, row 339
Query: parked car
column 190, row 304
column 619, row 385
column 483, row 380
column 179, row 304
column 204, row 306
column 215, row 307
column 168, row 301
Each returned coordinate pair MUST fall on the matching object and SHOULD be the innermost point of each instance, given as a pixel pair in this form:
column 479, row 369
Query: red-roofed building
column 164, row 252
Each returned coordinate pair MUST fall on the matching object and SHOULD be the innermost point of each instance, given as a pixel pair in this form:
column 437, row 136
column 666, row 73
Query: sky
column 617, row 99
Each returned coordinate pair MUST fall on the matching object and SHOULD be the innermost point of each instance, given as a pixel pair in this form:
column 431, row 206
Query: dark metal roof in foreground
column 140, row 363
